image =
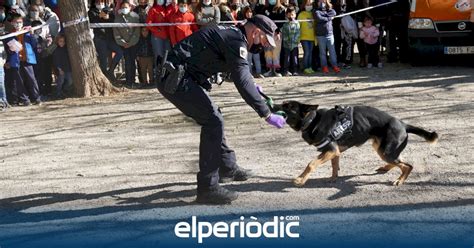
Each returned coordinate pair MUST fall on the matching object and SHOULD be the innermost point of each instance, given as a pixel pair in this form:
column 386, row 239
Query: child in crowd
column 253, row 57
column 179, row 31
column 370, row 34
column 291, row 38
column 324, row 32
column 62, row 65
column 43, row 66
column 307, row 36
column 21, row 57
column 145, row 57
column 276, row 12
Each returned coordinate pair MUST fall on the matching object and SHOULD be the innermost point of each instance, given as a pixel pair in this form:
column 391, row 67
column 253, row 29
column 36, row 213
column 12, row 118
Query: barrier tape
column 75, row 22
column 132, row 25
column 24, row 31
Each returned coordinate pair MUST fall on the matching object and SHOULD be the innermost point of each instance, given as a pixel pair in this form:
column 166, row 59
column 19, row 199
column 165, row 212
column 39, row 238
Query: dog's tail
column 431, row 137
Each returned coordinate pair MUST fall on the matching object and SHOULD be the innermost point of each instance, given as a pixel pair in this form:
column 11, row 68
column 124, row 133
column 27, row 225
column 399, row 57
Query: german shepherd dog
column 389, row 135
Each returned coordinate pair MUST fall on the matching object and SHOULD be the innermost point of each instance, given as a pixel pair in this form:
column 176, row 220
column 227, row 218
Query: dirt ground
column 133, row 157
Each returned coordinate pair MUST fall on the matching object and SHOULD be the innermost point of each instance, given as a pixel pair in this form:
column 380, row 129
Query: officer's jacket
column 216, row 49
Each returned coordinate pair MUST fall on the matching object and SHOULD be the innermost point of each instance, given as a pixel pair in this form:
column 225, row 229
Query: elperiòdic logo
column 279, row 227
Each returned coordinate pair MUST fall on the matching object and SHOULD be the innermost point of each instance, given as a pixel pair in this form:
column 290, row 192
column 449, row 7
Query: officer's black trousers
column 214, row 154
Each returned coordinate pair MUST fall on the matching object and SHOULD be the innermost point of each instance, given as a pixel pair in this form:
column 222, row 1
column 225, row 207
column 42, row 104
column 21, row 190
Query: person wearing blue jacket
column 324, row 15
column 19, row 65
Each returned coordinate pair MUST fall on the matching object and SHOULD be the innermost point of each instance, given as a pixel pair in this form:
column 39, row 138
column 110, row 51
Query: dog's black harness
column 340, row 130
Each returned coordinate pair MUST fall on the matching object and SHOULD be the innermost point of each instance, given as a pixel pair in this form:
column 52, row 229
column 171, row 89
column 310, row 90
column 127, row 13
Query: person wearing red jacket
column 171, row 7
column 179, row 32
column 159, row 13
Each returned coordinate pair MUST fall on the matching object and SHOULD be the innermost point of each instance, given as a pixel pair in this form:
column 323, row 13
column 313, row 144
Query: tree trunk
column 87, row 75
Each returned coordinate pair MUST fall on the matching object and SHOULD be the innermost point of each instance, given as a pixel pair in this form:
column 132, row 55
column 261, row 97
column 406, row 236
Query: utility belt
column 172, row 77
column 175, row 77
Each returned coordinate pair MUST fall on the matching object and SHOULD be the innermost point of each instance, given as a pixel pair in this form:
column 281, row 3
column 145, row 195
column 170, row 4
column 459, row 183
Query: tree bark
column 87, row 76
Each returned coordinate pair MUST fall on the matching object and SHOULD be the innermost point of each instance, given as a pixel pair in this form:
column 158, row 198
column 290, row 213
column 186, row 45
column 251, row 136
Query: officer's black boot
column 237, row 174
column 215, row 195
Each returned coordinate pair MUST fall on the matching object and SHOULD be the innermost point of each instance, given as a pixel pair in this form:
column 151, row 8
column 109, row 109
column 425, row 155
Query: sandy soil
column 122, row 155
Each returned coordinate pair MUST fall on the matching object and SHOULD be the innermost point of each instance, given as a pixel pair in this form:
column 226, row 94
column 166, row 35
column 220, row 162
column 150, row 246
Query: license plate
column 459, row 50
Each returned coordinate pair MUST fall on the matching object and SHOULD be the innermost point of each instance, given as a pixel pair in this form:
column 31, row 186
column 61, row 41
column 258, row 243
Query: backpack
column 350, row 26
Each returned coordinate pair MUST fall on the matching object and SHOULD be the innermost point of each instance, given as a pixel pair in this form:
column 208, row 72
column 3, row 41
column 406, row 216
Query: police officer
column 185, row 79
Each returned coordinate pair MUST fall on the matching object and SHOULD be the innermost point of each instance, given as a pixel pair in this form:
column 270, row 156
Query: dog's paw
column 398, row 182
column 332, row 179
column 299, row 182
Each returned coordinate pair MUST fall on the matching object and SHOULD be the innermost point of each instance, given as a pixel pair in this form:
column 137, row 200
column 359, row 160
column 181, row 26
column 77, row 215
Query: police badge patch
column 243, row 52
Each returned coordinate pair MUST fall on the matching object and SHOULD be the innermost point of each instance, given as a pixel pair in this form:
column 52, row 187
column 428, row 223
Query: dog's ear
column 305, row 108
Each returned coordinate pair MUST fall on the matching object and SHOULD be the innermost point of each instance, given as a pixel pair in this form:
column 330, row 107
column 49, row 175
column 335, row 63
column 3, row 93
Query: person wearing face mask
column 160, row 34
column 142, row 10
column 179, row 32
column 33, row 15
column 21, row 58
column 104, row 40
column 118, row 3
column 276, row 12
column 204, row 53
column 48, row 16
column 127, row 38
column 207, row 13
column 48, row 33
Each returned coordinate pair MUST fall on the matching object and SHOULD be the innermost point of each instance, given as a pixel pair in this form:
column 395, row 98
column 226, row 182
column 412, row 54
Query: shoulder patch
column 243, row 53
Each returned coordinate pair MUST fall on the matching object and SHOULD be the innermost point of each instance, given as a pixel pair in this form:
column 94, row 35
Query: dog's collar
column 308, row 119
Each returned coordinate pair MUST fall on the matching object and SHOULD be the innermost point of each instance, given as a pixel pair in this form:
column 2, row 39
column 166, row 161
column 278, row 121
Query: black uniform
column 206, row 52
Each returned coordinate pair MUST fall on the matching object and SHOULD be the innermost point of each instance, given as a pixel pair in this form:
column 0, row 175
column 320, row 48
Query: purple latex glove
column 276, row 120
column 259, row 88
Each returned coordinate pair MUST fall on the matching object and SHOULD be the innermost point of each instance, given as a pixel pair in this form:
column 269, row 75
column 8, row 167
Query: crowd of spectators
column 32, row 62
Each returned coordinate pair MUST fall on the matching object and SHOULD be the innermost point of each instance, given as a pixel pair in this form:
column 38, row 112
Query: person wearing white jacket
column 51, row 19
